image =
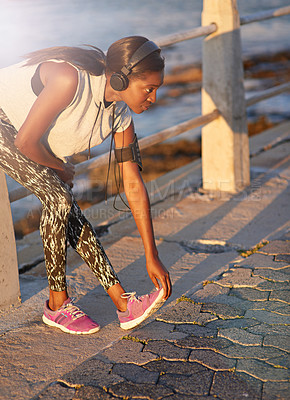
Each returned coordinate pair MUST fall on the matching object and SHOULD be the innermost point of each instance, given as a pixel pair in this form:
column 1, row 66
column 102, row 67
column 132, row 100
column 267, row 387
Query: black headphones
column 119, row 80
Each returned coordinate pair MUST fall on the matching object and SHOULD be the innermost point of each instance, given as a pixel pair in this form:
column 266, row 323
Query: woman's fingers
column 166, row 284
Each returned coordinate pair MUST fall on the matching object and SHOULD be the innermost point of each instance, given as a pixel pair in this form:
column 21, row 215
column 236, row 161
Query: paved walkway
column 224, row 333
column 227, row 340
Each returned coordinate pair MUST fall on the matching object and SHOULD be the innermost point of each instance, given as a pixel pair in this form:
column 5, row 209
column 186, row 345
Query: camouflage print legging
column 61, row 218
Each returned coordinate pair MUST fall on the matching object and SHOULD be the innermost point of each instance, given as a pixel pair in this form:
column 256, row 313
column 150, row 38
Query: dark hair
column 120, row 52
column 94, row 60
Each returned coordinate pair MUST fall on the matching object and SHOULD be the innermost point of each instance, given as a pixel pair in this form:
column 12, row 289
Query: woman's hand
column 157, row 272
column 67, row 174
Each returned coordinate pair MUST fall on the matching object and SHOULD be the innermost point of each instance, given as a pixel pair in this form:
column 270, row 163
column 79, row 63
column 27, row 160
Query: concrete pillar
column 225, row 144
column 9, row 280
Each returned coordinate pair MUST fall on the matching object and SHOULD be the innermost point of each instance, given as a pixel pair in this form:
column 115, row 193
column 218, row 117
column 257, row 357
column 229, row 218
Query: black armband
column 129, row 153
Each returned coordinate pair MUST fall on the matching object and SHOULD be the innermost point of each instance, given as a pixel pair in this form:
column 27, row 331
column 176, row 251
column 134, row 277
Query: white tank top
column 71, row 131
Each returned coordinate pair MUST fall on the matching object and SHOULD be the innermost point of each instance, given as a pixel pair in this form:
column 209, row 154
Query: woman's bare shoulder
column 59, row 72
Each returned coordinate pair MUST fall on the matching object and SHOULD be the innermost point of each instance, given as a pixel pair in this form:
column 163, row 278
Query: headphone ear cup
column 119, row 81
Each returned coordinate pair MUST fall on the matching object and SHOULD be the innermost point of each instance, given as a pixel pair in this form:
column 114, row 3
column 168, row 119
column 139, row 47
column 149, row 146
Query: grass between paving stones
column 184, row 298
column 134, row 339
column 204, row 283
column 276, row 365
column 246, row 253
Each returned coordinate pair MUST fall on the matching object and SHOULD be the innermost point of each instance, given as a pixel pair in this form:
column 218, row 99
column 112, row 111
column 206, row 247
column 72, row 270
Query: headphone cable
column 118, row 183
column 89, row 147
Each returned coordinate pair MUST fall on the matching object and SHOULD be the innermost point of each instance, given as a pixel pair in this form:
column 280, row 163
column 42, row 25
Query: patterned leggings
column 61, row 218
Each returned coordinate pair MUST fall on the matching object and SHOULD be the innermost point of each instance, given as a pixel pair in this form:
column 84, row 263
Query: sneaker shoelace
column 74, row 310
column 130, row 296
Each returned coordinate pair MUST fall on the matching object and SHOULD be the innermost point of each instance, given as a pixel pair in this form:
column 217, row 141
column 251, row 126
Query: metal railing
column 263, row 15
column 204, row 120
column 101, row 160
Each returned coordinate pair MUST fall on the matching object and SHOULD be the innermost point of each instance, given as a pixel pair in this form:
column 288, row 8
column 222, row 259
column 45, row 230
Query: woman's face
column 141, row 92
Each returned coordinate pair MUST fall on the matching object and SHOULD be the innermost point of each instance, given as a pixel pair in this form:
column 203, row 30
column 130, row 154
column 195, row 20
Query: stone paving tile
column 167, row 350
column 250, row 294
column 135, row 374
column 283, row 361
column 203, row 343
column 270, row 285
column 272, row 306
column 157, row 330
column 126, row 351
column 222, row 310
column 212, row 360
column 182, row 312
column 245, row 305
column 265, row 329
column 276, row 276
column 232, row 301
column 286, row 270
column 240, row 336
column 196, row 330
column 228, row 386
column 239, row 277
column 263, row 371
column 90, row 393
column 267, row 317
column 254, row 352
column 174, row 367
column 232, row 323
column 260, row 261
column 92, row 372
column 276, row 247
column 280, row 342
column 197, row 384
column 254, row 383
column 210, row 293
column 189, row 397
column 272, row 391
column 282, row 257
column 140, row 391
column 56, row 391
column 280, row 295
column 204, row 318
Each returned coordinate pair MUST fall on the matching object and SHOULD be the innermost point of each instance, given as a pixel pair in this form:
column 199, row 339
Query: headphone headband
column 119, row 80
column 143, row 51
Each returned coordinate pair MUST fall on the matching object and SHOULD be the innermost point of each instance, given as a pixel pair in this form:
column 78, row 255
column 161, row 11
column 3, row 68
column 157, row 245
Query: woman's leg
column 61, row 217
column 55, row 198
column 84, row 240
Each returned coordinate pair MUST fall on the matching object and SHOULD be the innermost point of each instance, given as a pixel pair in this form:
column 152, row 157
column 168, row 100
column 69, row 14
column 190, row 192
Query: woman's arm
column 60, row 82
column 137, row 197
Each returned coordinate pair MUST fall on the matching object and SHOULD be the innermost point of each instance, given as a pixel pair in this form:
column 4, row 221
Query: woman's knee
column 59, row 203
column 65, row 202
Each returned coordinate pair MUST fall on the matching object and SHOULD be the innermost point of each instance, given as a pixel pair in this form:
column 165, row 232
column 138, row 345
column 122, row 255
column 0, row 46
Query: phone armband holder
column 129, row 153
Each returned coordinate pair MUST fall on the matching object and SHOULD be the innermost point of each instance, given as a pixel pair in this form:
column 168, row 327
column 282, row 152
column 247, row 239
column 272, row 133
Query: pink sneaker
column 69, row 318
column 139, row 308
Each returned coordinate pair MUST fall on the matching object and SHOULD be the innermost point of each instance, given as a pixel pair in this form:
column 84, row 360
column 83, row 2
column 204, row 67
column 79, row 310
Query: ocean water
column 28, row 25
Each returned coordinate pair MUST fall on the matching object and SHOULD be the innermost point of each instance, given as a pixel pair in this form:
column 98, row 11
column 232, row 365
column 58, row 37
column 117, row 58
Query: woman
column 61, row 101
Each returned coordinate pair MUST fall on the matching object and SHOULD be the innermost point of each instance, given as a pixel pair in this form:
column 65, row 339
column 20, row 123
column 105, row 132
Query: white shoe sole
column 64, row 329
column 150, row 310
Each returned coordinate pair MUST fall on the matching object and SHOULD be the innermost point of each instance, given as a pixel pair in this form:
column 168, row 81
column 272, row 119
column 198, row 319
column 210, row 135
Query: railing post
column 9, row 280
column 225, row 144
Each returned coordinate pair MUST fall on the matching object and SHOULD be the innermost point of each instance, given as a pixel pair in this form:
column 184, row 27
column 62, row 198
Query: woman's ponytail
column 90, row 59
